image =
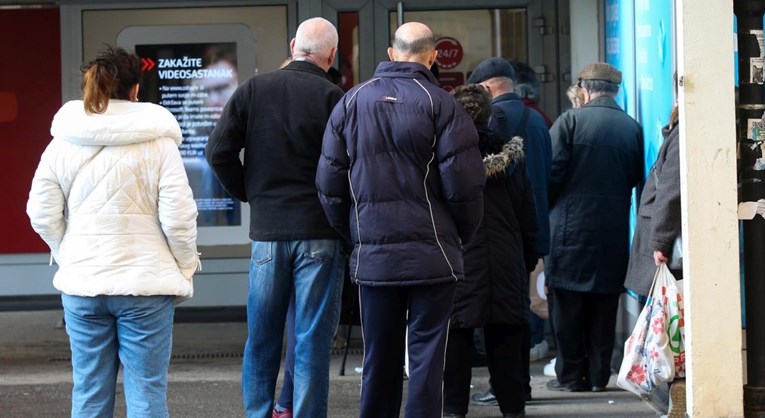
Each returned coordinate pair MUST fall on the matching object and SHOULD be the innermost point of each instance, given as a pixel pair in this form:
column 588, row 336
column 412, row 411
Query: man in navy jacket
column 402, row 178
column 279, row 119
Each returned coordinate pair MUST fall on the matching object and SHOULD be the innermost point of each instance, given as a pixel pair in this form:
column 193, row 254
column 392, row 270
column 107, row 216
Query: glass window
column 348, row 48
column 464, row 38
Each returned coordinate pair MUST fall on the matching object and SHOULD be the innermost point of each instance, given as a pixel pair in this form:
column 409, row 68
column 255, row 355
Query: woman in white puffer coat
column 111, row 199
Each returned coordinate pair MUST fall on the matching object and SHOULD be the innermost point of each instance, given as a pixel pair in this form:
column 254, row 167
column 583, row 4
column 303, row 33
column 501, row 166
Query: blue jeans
column 314, row 270
column 285, row 394
column 106, row 331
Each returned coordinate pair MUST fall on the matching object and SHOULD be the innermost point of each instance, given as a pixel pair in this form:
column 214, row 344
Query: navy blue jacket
column 401, row 177
column 537, row 146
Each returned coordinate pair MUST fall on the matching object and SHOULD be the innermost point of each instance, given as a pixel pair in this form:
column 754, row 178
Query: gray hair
column 417, row 46
column 526, row 90
column 526, row 83
column 315, row 36
column 600, row 87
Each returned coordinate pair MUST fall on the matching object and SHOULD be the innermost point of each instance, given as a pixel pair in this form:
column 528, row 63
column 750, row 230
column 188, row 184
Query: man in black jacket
column 279, row 119
column 597, row 160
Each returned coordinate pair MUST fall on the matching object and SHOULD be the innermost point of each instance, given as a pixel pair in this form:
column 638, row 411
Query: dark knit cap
column 490, row 68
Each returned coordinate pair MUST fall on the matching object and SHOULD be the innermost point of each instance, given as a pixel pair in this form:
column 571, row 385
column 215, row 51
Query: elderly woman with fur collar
column 494, row 294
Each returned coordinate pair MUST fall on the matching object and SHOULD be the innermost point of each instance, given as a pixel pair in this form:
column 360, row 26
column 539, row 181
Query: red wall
column 30, row 94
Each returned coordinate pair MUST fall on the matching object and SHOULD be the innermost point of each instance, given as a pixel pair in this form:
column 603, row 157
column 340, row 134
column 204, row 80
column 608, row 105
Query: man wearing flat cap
column 597, row 160
column 510, row 117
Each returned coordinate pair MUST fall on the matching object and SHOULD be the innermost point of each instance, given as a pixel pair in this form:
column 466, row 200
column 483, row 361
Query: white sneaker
column 550, row 368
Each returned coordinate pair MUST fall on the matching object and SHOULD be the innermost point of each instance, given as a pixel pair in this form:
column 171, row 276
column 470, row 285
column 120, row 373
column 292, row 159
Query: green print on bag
column 676, row 332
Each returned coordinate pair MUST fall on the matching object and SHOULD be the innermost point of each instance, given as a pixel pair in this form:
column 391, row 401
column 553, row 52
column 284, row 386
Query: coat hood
column 122, row 123
column 512, row 153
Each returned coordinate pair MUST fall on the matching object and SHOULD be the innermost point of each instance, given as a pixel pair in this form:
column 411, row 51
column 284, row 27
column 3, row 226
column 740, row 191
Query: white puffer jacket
column 112, row 201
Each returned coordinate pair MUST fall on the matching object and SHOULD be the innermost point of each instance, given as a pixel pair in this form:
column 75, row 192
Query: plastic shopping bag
column 655, row 351
column 676, row 324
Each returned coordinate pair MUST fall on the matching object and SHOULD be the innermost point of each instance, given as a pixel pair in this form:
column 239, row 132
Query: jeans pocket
column 261, row 253
column 319, row 250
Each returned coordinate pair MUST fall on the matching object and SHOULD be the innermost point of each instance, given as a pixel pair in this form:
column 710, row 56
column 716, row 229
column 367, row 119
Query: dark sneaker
column 598, row 388
column 484, row 399
column 556, row 386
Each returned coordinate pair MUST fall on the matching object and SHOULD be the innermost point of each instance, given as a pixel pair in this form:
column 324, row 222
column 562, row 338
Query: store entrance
column 466, row 33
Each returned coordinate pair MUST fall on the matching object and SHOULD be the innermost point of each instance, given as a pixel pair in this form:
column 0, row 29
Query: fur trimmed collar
column 512, row 152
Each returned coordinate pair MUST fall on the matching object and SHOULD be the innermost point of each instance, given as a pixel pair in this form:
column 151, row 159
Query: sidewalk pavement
column 35, row 376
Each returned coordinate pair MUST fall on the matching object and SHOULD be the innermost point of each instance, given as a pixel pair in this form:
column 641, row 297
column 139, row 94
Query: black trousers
column 585, row 324
column 386, row 312
column 504, row 355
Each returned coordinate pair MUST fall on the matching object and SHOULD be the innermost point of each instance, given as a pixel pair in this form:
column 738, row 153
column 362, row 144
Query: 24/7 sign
column 449, row 52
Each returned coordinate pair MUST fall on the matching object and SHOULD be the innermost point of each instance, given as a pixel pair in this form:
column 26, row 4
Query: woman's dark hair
column 111, row 75
column 476, row 101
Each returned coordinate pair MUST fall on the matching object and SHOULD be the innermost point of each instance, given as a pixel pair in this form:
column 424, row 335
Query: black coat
column 658, row 220
column 597, row 161
column 279, row 120
column 499, row 258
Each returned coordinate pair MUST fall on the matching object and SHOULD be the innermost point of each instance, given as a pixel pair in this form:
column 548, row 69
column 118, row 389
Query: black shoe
column 598, row 388
column 484, row 399
column 555, row 385
column 514, row 415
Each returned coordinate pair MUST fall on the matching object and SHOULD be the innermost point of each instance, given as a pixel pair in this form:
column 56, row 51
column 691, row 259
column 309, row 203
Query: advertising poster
column 194, row 82
column 620, row 48
column 654, row 63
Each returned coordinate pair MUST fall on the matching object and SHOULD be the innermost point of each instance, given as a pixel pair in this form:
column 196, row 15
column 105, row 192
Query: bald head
column 315, row 39
column 413, row 42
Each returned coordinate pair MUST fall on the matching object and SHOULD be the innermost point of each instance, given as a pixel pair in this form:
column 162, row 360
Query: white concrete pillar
column 708, row 179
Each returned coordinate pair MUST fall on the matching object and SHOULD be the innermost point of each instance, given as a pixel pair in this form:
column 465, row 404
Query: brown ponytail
column 111, row 75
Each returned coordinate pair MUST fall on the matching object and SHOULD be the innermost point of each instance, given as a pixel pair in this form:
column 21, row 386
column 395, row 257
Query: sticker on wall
column 757, row 63
column 450, row 52
column 755, row 129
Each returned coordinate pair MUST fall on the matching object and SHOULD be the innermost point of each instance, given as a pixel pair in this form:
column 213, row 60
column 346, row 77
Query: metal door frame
column 374, row 33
